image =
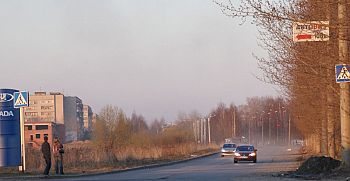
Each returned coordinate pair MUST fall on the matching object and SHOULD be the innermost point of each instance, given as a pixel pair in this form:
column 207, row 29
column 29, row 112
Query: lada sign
column 311, row 31
column 10, row 137
column 6, row 113
column 5, row 97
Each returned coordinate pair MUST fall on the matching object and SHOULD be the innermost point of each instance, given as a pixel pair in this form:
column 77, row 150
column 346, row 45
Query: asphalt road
column 270, row 160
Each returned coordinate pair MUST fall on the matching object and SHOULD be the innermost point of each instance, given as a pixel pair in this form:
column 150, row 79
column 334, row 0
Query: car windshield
column 229, row 146
column 245, row 148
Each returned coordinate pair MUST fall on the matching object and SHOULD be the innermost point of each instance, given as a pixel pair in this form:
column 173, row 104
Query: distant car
column 245, row 153
column 228, row 149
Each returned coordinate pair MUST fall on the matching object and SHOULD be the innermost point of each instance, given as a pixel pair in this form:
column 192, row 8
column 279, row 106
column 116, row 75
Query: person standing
column 58, row 151
column 46, row 151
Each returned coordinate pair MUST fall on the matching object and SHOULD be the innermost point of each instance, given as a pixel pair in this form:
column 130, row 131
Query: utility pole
column 289, row 131
column 209, row 139
column 249, row 130
column 330, row 92
column 344, row 87
column 276, row 117
column 269, row 130
column 234, row 122
column 262, row 130
column 201, row 130
column 205, row 131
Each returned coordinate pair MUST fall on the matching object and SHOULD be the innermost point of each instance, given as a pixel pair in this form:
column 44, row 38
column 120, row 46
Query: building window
column 46, row 107
column 37, row 136
column 29, row 108
column 46, row 113
column 32, row 137
column 29, row 127
column 33, row 102
column 31, row 114
column 46, row 101
column 41, row 127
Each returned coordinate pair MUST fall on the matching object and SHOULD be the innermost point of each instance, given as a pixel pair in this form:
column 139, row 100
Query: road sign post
column 21, row 99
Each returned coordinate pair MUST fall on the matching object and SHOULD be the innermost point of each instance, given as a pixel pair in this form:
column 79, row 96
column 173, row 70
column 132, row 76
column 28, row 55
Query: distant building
column 87, row 111
column 73, row 116
column 34, row 132
column 63, row 111
column 94, row 118
column 45, row 108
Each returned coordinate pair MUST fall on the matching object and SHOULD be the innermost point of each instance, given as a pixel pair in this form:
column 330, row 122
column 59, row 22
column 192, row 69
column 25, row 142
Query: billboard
column 311, row 31
column 10, row 138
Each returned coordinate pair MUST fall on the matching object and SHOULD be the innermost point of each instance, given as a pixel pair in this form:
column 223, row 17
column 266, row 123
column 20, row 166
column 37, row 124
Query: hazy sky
column 157, row 57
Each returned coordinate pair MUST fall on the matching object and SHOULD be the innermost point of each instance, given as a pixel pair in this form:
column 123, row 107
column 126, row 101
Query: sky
column 155, row 57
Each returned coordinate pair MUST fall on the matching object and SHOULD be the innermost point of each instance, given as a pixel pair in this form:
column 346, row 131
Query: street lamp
column 277, row 125
column 262, row 126
column 268, row 142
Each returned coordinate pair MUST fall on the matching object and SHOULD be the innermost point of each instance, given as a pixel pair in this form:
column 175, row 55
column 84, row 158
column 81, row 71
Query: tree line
column 304, row 71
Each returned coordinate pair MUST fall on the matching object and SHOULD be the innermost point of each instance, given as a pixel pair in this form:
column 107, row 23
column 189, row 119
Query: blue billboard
column 10, row 137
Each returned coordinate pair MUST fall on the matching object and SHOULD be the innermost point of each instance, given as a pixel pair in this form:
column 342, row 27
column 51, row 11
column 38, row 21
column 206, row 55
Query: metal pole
column 249, row 130
column 205, row 131
column 262, row 130
column 277, row 125
column 234, row 123
column 201, row 132
column 269, row 131
column 195, row 131
column 23, row 151
column 289, row 131
column 209, row 139
column 344, row 87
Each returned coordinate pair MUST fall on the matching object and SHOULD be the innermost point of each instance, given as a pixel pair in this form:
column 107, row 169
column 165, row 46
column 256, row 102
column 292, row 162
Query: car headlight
column 222, row 150
column 252, row 154
column 237, row 154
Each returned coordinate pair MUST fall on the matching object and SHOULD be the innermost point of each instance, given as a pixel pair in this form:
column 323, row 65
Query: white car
column 228, row 149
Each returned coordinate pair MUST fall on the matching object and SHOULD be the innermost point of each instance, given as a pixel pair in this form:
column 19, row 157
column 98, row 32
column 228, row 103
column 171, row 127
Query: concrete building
column 94, row 118
column 63, row 111
column 73, row 116
column 87, row 111
column 45, row 108
column 34, row 132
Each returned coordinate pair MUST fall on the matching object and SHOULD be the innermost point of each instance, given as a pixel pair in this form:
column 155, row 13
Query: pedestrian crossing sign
column 342, row 73
column 21, row 99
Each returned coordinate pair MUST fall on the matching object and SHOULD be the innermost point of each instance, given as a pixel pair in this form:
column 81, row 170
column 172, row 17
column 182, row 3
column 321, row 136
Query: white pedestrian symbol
column 344, row 74
column 20, row 100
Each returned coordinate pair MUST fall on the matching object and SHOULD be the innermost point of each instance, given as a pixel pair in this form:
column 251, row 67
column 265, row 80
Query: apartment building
column 87, row 113
column 62, row 111
column 45, row 108
column 73, row 116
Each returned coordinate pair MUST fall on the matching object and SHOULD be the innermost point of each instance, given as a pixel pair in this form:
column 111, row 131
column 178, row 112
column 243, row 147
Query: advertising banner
column 10, row 138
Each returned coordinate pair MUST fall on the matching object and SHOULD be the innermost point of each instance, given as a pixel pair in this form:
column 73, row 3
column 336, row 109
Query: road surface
column 270, row 160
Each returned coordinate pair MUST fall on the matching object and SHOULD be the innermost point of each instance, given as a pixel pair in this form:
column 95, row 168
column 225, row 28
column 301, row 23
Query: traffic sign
column 21, row 99
column 342, row 73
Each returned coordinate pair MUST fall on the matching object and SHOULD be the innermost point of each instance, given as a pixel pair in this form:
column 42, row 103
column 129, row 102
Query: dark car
column 228, row 149
column 245, row 153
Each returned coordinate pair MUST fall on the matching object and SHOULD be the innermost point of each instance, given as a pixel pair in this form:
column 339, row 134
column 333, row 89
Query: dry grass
column 86, row 157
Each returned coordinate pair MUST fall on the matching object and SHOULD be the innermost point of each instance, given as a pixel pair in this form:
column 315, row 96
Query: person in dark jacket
column 46, row 151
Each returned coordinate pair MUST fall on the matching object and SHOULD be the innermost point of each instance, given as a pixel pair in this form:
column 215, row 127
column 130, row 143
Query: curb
column 109, row 172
